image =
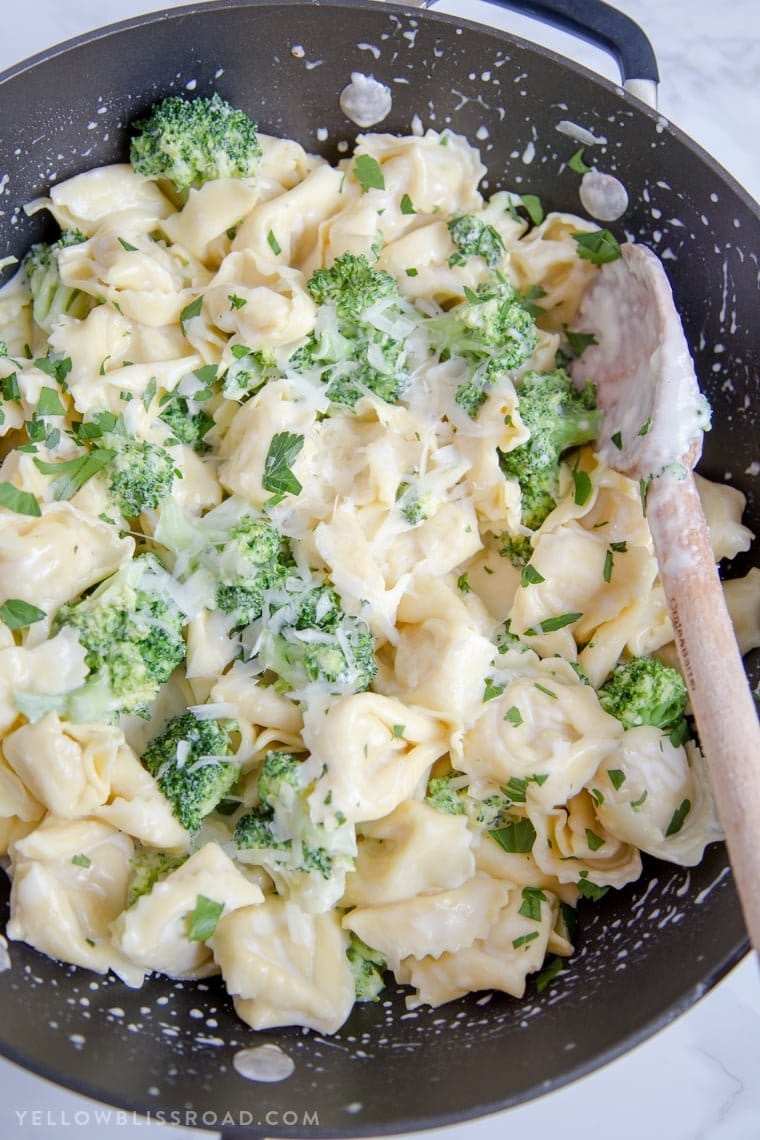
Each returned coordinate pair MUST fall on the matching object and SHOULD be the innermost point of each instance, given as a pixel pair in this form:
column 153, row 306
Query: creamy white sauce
column 603, row 196
column 365, row 101
column 580, row 134
column 661, row 389
column 266, row 1063
column 5, row 958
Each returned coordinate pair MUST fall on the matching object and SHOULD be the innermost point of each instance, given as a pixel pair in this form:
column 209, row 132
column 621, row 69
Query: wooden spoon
column 654, row 416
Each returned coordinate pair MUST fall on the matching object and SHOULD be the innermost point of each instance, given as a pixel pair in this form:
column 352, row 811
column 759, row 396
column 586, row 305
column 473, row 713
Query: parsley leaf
column 532, row 897
column 17, row 614
column 530, row 576
column 49, row 403
column 58, row 369
column 201, row 923
column 406, row 205
column 594, row 841
column 22, row 502
column 273, row 243
column 677, row 820
column 533, row 208
column 126, row 245
column 283, row 450
column 551, row 625
column 368, row 173
column 582, row 482
column 514, row 716
column 492, row 691
column 617, row 777
column 577, row 164
column 524, row 939
column 609, row 562
column 597, row 246
column 9, row 387
column 190, row 311
column 81, row 860
column 516, row 837
column 74, row 473
column 590, row 890
column 548, row 974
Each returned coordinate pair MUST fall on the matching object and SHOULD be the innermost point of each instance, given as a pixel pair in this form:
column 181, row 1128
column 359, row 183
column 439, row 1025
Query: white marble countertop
column 699, row 1079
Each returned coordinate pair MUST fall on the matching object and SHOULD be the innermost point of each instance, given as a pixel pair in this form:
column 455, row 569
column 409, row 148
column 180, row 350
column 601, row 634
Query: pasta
column 302, row 679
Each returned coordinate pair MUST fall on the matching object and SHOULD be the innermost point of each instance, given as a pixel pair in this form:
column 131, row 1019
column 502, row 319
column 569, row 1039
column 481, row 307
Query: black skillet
column 644, row 954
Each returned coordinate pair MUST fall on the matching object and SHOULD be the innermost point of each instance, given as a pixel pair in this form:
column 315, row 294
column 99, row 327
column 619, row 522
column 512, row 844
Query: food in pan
column 330, row 647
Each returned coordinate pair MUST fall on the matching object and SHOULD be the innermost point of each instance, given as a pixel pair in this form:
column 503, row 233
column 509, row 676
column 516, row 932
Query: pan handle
column 606, row 27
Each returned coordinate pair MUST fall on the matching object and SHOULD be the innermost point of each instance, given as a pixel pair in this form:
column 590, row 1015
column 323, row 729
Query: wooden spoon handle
column 712, row 667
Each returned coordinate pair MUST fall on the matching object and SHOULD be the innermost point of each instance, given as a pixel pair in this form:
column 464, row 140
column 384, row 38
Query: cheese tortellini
column 310, row 382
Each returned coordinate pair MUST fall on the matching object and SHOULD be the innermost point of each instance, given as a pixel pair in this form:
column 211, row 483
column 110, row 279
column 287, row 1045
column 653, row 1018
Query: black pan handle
column 606, row 27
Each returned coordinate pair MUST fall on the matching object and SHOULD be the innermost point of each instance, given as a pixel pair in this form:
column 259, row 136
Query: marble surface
column 699, row 1079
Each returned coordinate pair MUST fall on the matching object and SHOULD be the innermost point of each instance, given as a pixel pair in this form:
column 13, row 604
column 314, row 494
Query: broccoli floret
column 188, row 760
column 475, row 238
column 487, row 813
column 644, row 691
column 52, row 299
column 559, row 416
column 309, row 637
column 351, row 285
column 192, row 141
column 345, row 660
column 443, row 797
column 359, row 339
column 517, row 548
column 416, row 505
column 306, row 859
column 367, row 967
column 140, row 475
column 131, row 631
column 279, row 779
column 187, row 426
column 248, row 566
column 492, row 331
column 490, row 321
column 248, row 372
column 146, row 867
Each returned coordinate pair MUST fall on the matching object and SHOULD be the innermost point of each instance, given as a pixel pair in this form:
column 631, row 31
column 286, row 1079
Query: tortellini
column 69, row 884
column 370, row 754
column 284, row 967
column 499, row 958
column 153, row 933
column 656, row 796
column 555, row 739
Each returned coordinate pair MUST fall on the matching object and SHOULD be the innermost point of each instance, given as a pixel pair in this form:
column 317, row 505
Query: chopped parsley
column 18, row 614
column 577, row 164
column 368, row 173
column 22, row 502
column 283, row 451
column 597, row 246
column 492, row 691
column 532, row 897
column 201, row 922
column 531, row 577
column 678, row 818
